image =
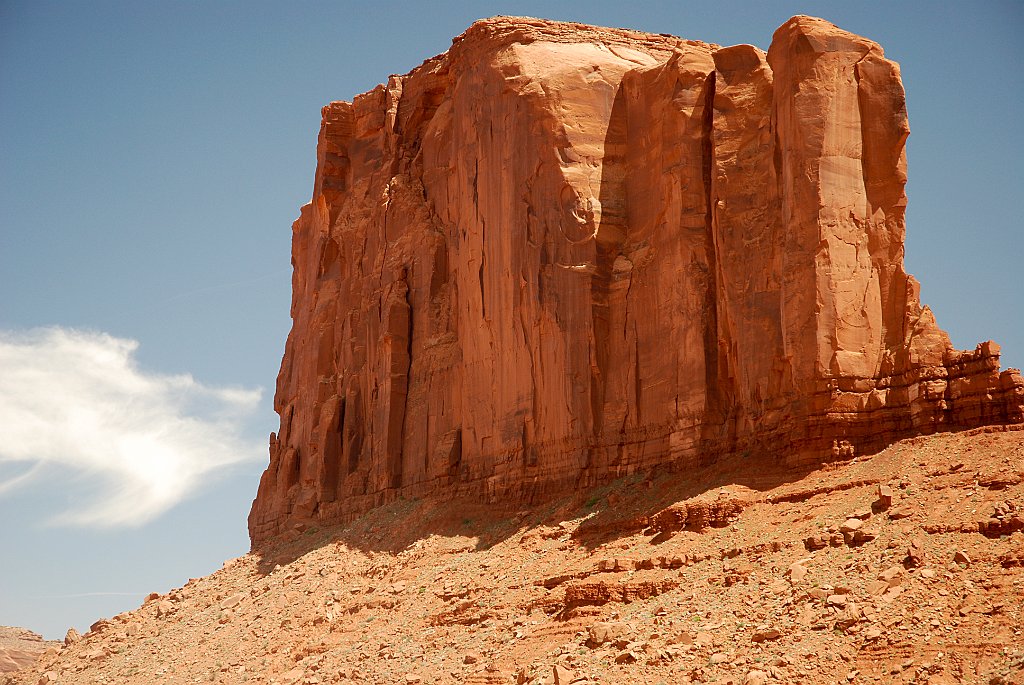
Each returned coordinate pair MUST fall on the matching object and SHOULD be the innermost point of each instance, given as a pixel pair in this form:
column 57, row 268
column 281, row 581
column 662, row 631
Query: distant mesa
column 558, row 254
column 20, row 648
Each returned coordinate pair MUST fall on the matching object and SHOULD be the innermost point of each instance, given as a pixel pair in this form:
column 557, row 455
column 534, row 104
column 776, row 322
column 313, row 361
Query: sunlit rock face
column 557, row 254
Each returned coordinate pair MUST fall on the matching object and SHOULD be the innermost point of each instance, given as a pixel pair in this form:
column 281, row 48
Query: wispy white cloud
column 80, row 595
column 78, row 401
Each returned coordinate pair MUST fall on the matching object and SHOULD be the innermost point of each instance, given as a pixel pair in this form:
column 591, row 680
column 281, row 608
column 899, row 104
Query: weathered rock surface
column 557, row 254
column 20, row 648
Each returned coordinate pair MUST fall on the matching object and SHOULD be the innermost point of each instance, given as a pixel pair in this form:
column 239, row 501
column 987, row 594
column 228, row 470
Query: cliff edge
column 558, row 254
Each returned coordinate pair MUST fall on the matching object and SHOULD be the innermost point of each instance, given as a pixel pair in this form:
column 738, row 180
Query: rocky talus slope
column 903, row 567
column 558, row 254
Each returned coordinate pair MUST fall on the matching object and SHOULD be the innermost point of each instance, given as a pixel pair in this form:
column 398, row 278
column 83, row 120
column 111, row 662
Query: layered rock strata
column 557, row 254
column 21, row 648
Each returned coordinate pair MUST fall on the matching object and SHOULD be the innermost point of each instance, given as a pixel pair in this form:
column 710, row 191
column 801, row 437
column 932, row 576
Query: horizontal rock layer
column 557, row 254
column 21, row 648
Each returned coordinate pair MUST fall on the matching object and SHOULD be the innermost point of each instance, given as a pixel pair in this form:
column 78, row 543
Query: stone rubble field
column 904, row 567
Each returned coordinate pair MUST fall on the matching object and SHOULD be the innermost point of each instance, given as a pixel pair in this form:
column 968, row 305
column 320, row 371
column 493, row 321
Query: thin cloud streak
column 76, row 403
column 81, row 595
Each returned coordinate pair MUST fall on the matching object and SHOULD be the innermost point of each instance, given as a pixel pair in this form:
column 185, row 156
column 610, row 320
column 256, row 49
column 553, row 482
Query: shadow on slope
column 618, row 509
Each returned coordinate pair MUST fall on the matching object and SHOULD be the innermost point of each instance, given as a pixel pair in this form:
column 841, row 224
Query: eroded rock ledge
column 557, row 254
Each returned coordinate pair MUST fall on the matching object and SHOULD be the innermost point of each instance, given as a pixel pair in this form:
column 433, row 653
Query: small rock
column 961, row 558
column 100, row 625
column 625, row 657
column 884, row 500
column 893, row 576
column 836, row 600
column 756, row 678
column 927, row 573
column 413, row 678
column 797, row 572
column 151, row 596
column 232, row 601
column 849, row 528
column 915, row 554
column 719, row 658
column 765, row 634
column 815, row 542
column 163, row 608
column 471, row 658
column 95, row 654
column 71, row 637
column 294, row 676
column 562, row 675
column 862, row 536
column 605, row 631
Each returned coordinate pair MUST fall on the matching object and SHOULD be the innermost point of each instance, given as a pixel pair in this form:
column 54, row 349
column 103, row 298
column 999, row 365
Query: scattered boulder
column 915, row 554
column 756, row 677
column 606, row 631
column 884, row 498
column 836, row 600
column 562, row 675
column 765, row 634
column 232, row 601
column 815, row 542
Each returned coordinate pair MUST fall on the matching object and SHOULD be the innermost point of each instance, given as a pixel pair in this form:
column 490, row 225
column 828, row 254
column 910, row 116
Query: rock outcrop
column 20, row 648
column 557, row 254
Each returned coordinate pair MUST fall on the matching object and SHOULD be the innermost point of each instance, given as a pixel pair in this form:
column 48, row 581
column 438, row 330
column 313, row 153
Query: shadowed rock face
column 557, row 254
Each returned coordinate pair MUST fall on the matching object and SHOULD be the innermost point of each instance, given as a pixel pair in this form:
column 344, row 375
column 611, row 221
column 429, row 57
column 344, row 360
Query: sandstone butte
column 558, row 254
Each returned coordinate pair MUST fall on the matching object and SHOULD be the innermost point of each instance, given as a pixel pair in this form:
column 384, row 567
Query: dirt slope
column 707, row 576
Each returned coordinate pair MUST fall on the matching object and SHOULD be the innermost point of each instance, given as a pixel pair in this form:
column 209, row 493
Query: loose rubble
column 580, row 591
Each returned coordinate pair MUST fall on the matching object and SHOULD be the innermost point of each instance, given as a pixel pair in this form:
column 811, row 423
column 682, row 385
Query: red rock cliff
column 557, row 254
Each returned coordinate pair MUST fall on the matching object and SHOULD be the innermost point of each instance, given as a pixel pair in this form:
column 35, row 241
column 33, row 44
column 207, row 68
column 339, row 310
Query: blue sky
column 152, row 159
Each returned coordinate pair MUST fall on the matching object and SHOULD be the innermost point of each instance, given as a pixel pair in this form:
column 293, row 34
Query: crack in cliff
column 712, row 371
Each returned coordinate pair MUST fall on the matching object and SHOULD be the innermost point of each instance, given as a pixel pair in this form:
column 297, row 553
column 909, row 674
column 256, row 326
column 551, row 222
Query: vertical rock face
column 557, row 254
